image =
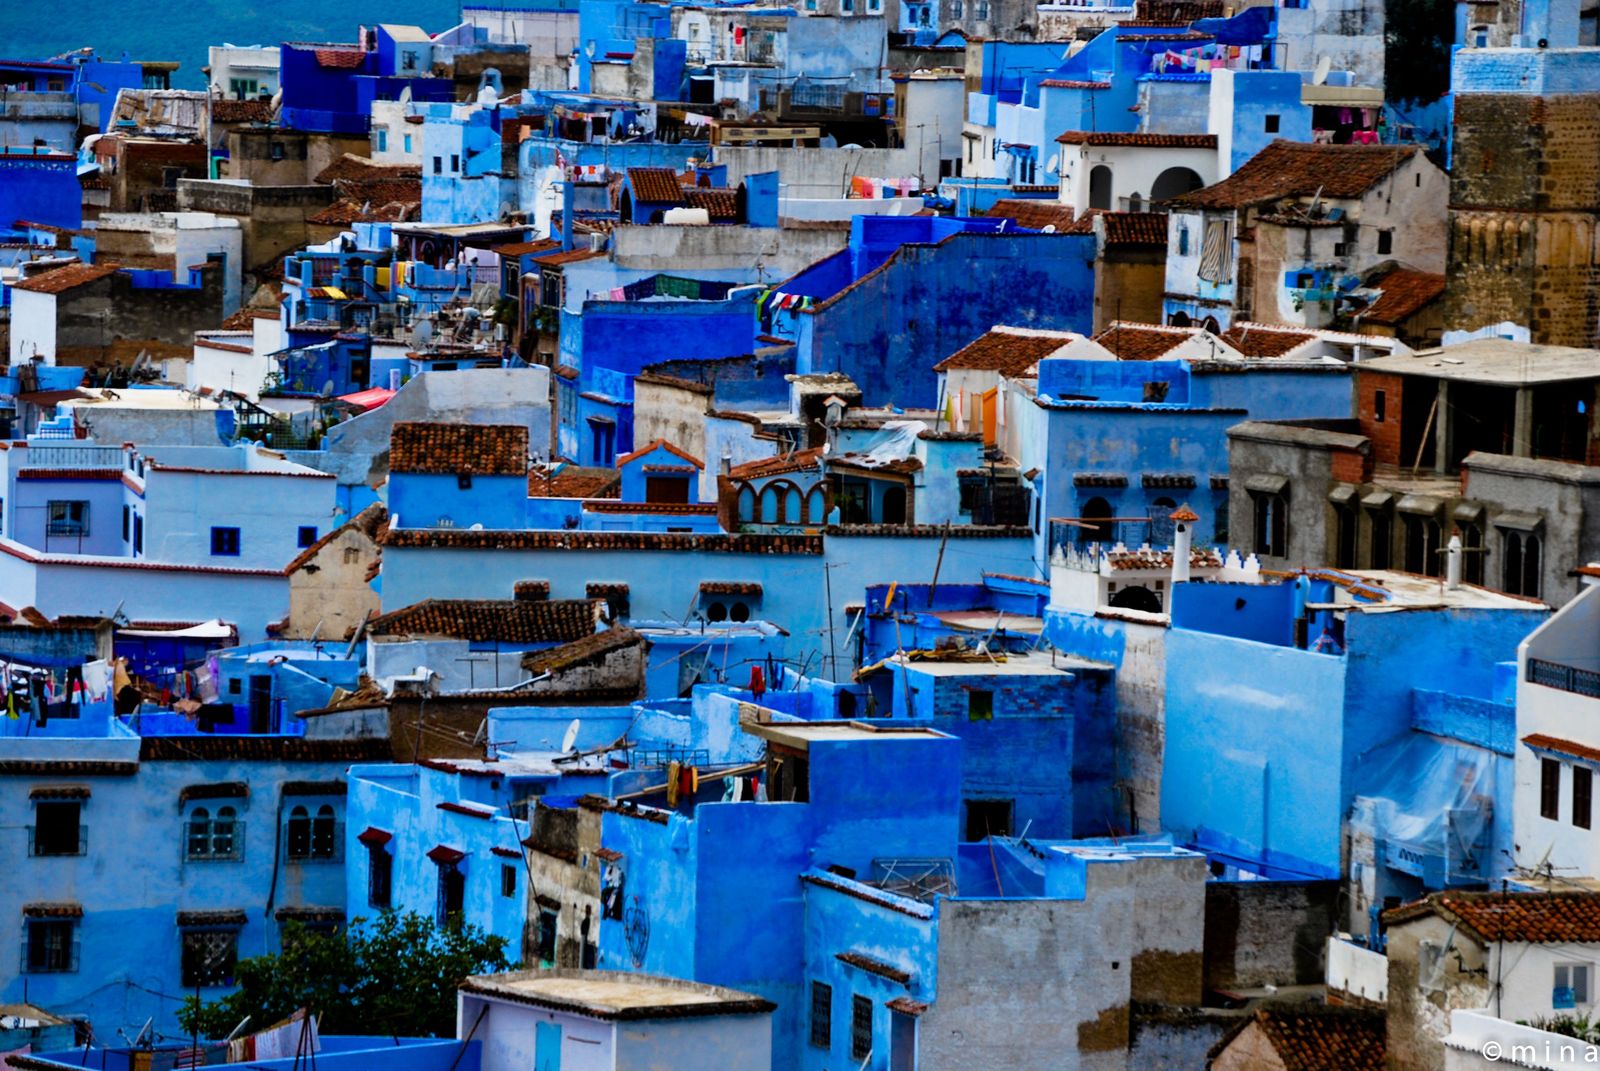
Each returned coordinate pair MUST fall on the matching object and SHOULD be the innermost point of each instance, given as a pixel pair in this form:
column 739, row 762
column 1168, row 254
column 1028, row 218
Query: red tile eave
column 1570, row 748
column 457, row 808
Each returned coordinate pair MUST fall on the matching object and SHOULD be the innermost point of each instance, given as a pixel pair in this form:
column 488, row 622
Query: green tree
column 396, row 975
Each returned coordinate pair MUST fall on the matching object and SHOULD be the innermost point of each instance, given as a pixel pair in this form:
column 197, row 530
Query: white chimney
column 1183, row 519
column 1452, row 568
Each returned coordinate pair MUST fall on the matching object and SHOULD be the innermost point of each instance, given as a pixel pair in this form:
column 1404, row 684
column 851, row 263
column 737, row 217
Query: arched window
column 740, row 612
column 222, row 832
column 1520, row 563
column 1271, row 523
column 299, row 837
column 1100, row 187
column 716, row 612
column 322, row 833
column 1137, row 597
column 1471, row 552
column 199, row 833
column 747, row 504
column 1179, row 319
column 1344, row 539
column 791, row 505
column 1135, row 203
column 816, row 506
column 770, row 505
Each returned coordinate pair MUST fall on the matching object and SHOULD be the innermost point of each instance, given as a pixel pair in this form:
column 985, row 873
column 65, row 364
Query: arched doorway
column 1100, row 187
column 1097, row 526
column 1175, row 182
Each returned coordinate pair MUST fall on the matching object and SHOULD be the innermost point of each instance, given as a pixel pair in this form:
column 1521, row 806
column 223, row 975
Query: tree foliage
column 1416, row 54
column 396, row 975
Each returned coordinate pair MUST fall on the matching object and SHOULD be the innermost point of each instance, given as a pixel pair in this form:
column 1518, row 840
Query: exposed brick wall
column 1385, row 436
column 1525, row 215
column 1351, row 466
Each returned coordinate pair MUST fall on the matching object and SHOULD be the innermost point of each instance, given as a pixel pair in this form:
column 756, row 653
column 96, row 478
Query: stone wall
column 1261, row 933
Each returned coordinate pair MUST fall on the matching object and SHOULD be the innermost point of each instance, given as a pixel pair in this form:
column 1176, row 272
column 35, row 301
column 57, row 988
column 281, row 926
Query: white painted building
column 589, row 1020
column 244, row 72
column 1558, row 742
column 1127, row 172
column 183, row 239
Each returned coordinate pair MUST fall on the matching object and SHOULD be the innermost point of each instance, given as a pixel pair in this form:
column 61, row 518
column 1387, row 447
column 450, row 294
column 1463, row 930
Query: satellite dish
column 1049, row 228
column 1052, row 164
column 1320, row 76
column 405, row 95
column 570, row 737
column 327, row 389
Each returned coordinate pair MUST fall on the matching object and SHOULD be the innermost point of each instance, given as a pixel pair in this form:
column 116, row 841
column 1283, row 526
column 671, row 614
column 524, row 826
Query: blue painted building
column 908, row 290
column 1281, row 699
column 38, row 185
column 330, row 88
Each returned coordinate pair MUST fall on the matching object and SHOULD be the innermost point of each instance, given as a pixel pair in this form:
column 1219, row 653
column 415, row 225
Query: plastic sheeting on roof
column 1430, row 802
column 206, row 630
column 1248, row 27
column 896, row 440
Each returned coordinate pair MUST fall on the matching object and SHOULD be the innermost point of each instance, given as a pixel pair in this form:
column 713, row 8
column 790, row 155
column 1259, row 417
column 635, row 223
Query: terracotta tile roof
column 1135, row 228
column 1073, row 83
column 1005, row 352
column 730, row 587
column 569, row 256
column 1144, row 558
column 797, row 461
column 340, row 58
column 241, row 111
column 611, row 505
column 506, row 620
column 262, row 749
column 656, row 185
column 371, row 521
column 871, row 965
column 1254, row 340
column 1314, row 1037
column 1139, row 141
column 68, row 277
column 591, row 648
column 573, row 481
column 1571, row 748
column 517, row 249
column 719, row 204
column 483, row 539
column 1405, row 293
column 664, row 445
column 347, row 210
column 1033, row 213
column 56, row 909
column 1532, row 918
column 225, row 917
column 1294, row 169
column 1142, row 342
column 674, row 381
column 459, row 449
column 353, row 168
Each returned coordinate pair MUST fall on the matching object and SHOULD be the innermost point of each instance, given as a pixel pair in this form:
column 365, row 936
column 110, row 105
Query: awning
column 1377, row 500
column 59, row 792
column 367, row 400
column 1267, row 484
column 1423, row 504
column 1342, row 495
column 446, row 856
column 1524, row 522
column 1468, row 511
column 373, row 837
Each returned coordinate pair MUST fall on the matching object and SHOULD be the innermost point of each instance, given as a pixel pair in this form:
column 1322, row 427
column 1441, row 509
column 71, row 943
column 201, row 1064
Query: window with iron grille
column 68, row 518
column 1549, row 788
column 822, row 1015
column 546, row 952
column 508, row 880
column 209, row 957
column 312, row 836
column 214, row 836
column 1582, row 795
column 58, row 828
column 860, row 1028
column 50, row 946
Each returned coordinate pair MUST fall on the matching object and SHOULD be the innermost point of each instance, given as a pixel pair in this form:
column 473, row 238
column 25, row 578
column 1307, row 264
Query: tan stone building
column 330, row 583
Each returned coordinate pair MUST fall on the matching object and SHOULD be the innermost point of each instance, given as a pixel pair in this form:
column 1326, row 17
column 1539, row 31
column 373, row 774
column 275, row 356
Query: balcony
column 74, row 457
column 1579, row 681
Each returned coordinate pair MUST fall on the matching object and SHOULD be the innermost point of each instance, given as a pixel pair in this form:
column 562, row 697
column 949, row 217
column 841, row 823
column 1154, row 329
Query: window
column 138, row 533
column 209, row 957
column 1183, row 239
column 1344, row 539
column 1520, row 565
column 1550, row 789
column 464, row 481
column 405, row 141
column 508, row 880
column 225, row 542
column 1216, row 252
column 1271, row 523
column 955, row 13
column 1471, row 552
column 213, row 837
column 1571, row 985
column 306, row 535
column 1582, row 795
column 276, row 150
column 242, row 88
column 455, row 164
column 1385, row 243
column 380, row 878
column 438, row 165
column 127, row 518
column 58, row 828
column 548, row 922
column 383, row 140
column 52, row 946
column 860, row 1028
column 1382, row 525
column 986, row 818
column 822, row 1015
column 1380, row 405
column 1271, row 124
column 847, row 6
column 312, row 836
column 983, row 9
column 1422, row 545
column 68, row 518
column 452, row 891
column 980, row 704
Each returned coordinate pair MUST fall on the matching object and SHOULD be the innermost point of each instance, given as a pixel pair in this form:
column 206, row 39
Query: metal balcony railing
column 1566, row 678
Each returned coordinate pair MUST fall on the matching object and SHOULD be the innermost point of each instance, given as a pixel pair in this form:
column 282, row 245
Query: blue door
column 547, row 1047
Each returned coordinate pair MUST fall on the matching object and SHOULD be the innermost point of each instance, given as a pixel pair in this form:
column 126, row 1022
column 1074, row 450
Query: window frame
column 860, row 1027
column 221, row 541
column 66, row 524
column 68, row 949
column 821, row 1024
column 78, row 841
column 980, row 704
column 302, row 538
column 380, row 878
column 1549, row 788
column 1581, row 807
column 189, row 938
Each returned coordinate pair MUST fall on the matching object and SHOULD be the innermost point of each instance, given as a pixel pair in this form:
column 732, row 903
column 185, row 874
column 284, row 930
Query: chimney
column 1452, row 567
column 727, row 464
column 1182, row 535
column 531, row 591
